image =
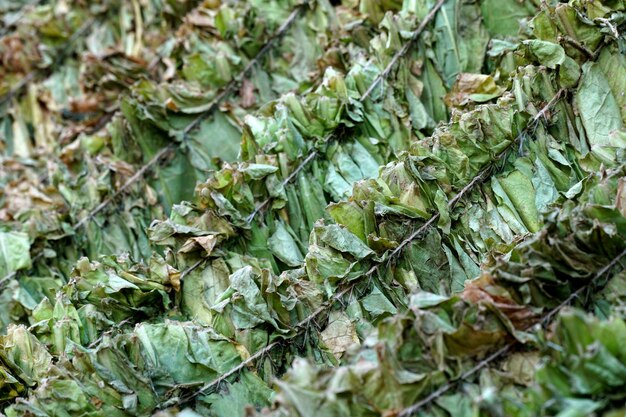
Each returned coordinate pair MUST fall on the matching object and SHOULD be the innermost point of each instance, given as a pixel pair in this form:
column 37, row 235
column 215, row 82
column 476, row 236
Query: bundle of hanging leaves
column 351, row 208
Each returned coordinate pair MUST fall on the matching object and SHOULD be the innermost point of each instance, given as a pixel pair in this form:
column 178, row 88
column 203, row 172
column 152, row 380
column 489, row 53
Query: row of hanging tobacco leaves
column 382, row 320
column 23, row 298
column 109, row 228
column 50, row 192
column 543, row 225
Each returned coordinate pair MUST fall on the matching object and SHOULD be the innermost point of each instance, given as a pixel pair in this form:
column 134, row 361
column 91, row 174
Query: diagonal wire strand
column 225, row 92
column 479, row 178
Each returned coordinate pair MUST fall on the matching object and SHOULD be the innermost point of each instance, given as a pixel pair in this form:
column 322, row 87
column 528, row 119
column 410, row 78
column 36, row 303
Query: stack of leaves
column 77, row 211
column 418, row 193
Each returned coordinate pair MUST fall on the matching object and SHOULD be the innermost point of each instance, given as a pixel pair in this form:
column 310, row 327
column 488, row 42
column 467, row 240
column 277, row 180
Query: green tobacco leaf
column 284, row 247
column 14, row 252
column 503, row 17
column 180, row 354
column 521, row 193
column 613, row 65
column 282, row 252
column 249, row 391
column 599, row 109
column 547, row 53
column 25, row 356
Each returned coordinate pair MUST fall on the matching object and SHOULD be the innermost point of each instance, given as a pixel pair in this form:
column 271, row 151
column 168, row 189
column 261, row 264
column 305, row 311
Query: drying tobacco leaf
column 268, row 259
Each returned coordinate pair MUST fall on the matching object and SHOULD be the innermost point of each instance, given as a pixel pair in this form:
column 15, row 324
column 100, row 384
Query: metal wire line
column 220, row 97
column 479, row 178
